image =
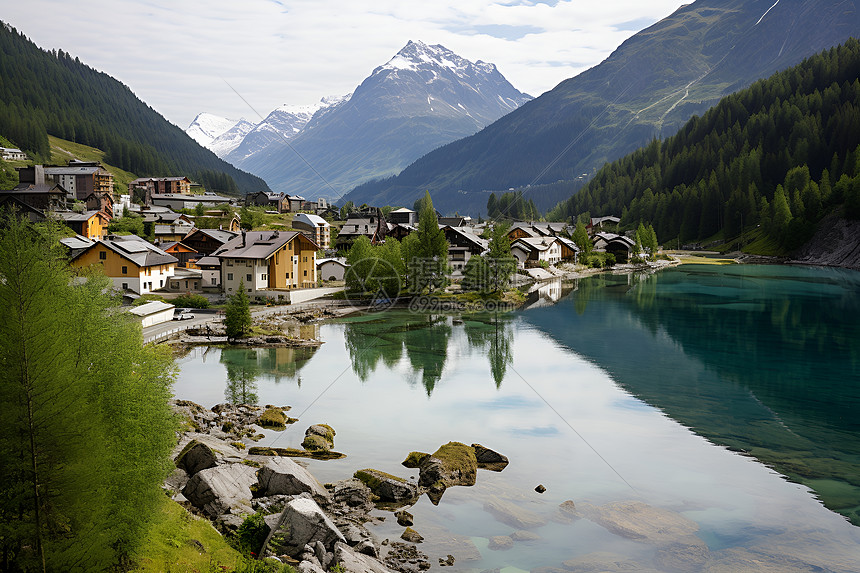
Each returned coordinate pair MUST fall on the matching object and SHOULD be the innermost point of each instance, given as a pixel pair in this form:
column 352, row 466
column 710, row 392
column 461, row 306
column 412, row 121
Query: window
column 306, row 260
column 102, row 255
column 229, row 262
column 264, row 277
column 249, row 278
column 306, row 272
column 230, row 277
column 124, row 286
column 125, row 270
column 214, row 281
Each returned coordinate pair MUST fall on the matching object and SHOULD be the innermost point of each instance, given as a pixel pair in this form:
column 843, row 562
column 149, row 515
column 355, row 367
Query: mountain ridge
column 423, row 97
column 646, row 88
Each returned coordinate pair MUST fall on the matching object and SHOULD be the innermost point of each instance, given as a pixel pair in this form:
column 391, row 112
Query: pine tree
column 237, row 314
column 501, row 264
column 429, row 261
column 87, row 429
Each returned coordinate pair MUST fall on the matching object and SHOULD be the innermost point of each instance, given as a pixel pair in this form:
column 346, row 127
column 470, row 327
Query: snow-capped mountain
column 206, row 127
column 282, row 124
column 230, row 139
column 422, row 98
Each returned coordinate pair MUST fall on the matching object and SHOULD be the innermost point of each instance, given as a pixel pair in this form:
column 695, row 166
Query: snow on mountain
column 206, row 127
column 425, row 96
column 281, row 125
column 230, row 139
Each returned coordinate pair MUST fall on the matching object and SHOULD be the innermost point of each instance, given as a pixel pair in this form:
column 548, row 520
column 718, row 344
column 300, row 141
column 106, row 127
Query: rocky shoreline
column 294, row 518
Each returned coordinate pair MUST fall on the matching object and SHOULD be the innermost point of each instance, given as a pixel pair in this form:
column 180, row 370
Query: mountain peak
column 416, row 55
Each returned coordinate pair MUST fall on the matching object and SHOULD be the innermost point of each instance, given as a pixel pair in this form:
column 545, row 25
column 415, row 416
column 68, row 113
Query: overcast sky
column 176, row 55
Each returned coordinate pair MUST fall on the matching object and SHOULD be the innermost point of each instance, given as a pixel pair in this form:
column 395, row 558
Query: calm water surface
column 725, row 394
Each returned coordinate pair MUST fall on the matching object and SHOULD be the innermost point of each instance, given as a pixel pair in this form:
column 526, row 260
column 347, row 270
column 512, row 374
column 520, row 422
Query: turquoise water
column 723, row 394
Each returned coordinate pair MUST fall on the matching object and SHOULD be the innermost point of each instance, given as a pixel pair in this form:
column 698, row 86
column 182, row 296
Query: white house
column 314, row 227
column 534, row 250
column 12, row 154
column 331, row 269
column 152, row 313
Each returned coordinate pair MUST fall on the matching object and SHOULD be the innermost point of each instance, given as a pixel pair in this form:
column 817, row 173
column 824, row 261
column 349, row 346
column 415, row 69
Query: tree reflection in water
column 424, row 339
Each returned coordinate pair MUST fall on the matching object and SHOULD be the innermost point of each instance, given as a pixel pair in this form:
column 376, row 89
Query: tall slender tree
column 87, row 429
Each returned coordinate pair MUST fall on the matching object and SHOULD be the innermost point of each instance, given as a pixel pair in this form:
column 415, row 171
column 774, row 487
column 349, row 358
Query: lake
column 719, row 396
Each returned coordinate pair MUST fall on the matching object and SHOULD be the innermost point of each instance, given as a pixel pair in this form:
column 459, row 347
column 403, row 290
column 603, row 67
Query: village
column 282, row 248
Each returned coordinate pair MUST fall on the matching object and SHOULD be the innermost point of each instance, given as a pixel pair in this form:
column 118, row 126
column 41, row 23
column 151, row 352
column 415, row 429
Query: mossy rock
column 294, row 453
column 274, row 419
column 315, row 443
column 238, row 445
column 195, row 456
column 452, row 464
column 414, row 459
column 388, row 487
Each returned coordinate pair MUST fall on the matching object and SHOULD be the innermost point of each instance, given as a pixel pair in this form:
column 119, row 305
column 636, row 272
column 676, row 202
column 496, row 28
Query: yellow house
column 268, row 261
column 91, row 224
column 132, row 263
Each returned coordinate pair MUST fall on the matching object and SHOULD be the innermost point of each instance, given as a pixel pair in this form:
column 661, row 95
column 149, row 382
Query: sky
column 245, row 58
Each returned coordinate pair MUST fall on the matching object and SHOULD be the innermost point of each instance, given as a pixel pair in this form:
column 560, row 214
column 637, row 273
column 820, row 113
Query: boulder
column 404, row 518
column 314, row 443
column 301, row 523
column 388, row 487
column 414, row 459
column 351, row 492
column 324, row 431
column 283, row 476
column 351, row 561
column 221, row 489
column 452, row 464
column 411, row 535
column 489, row 459
column 513, row 515
column 195, row 456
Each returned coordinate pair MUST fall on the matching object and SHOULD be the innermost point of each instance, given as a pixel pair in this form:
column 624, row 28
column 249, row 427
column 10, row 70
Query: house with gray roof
column 132, row 263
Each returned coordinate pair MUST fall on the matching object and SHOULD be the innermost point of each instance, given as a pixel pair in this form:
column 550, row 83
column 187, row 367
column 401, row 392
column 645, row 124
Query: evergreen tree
column 580, row 237
column 501, row 265
column 237, row 314
column 87, row 430
column 429, row 259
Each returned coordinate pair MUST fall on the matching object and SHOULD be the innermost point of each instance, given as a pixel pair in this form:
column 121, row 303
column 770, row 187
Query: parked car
column 182, row 314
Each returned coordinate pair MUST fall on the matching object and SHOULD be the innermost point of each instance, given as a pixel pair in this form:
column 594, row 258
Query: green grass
column 63, row 150
column 169, row 544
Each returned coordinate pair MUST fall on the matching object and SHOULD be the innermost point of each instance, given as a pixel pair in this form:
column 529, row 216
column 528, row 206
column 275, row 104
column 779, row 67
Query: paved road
column 202, row 317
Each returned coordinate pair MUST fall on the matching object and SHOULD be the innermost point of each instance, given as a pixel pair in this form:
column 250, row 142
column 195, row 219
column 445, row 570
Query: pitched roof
column 209, row 261
column 537, row 243
column 136, row 250
column 150, row 308
column 30, row 188
column 219, row 235
column 312, row 220
column 72, row 216
column 255, row 244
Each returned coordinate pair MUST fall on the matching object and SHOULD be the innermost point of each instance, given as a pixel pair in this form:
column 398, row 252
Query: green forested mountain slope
column 779, row 154
column 44, row 92
column 651, row 85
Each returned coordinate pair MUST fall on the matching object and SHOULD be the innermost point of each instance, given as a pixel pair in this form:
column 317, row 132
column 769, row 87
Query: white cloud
column 176, row 55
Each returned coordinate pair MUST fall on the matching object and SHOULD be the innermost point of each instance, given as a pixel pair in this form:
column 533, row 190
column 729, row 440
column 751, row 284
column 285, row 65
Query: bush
column 251, row 535
column 191, row 301
column 145, row 298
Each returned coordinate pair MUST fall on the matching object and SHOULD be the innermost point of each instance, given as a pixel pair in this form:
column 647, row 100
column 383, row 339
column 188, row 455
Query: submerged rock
column 603, row 561
column 639, row 521
column 501, row 543
column 513, row 515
